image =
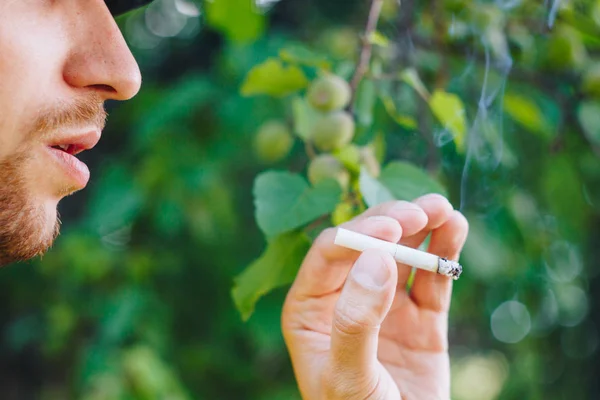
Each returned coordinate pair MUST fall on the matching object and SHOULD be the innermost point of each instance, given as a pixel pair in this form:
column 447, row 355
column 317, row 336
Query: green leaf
column 373, row 191
column 378, row 39
column 117, row 201
column 177, row 103
column 562, row 190
column 403, row 120
column 236, row 19
column 449, row 109
column 284, row 201
column 588, row 114
column 304, row 117
column 274, row 79
column 299, row 54
column 411, row 77
column 277, row 266
column 526, row 112
column 365, row 102
column 398, row 181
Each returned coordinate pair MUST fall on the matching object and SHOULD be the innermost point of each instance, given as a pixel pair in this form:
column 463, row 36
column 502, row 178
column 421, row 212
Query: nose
column 99, row 58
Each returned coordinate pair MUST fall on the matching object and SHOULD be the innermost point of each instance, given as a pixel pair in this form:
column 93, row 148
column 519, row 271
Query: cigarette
column 402, row 254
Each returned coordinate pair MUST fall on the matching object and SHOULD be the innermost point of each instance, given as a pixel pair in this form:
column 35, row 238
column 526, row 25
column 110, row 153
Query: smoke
column 552, row 13
column 485, row 137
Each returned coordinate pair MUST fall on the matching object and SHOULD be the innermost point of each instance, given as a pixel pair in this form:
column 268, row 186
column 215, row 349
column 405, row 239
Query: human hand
column 353, row 331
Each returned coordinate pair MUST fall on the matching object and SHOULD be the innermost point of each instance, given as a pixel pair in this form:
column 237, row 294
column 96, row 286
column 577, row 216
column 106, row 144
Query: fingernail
column 371, row 271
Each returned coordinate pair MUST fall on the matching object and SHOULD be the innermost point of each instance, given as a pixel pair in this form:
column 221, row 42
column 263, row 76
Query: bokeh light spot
column 510, row 322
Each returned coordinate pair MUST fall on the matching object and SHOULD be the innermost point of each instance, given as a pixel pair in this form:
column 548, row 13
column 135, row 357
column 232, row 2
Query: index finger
column 326, row 265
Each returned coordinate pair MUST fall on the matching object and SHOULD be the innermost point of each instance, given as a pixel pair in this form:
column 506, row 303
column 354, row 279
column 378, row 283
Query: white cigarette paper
column 402, row 254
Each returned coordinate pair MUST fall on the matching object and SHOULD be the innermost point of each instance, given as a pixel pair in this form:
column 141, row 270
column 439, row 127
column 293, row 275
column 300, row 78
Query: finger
column 410, row 215
column 361, row 308
column 326, row 265
column 430, row 290
column 328, row 278
column 438, row 210
column 413, row 219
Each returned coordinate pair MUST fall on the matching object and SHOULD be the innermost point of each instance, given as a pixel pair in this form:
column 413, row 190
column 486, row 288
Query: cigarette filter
column 402, row 254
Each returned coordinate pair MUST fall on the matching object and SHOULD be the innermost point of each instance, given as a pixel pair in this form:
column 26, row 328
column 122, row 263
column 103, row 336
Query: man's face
column 60, row 60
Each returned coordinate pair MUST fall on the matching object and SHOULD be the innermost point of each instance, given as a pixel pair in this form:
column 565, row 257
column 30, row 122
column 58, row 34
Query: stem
column 310, row 150
column 366, row 48
column 440, row 28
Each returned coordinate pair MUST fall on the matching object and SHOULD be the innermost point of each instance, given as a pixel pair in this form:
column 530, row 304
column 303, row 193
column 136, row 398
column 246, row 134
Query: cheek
column 30, row 67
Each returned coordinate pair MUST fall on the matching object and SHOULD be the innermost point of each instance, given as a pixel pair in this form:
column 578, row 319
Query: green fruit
column 566, row 49
column 341, row 43
column 329, row 93
column 273, row 141
column 326, row 166
column 343, row 212
column 333, row 131
column 389, row 9
column 349, row 156
column 590, row 83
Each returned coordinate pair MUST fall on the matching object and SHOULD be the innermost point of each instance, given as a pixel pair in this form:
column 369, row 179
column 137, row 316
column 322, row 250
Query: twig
column 365, row 52
column 310, row 150
column 440, row 28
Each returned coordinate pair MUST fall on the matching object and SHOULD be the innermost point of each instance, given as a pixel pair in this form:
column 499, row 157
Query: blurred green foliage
column 498, row 101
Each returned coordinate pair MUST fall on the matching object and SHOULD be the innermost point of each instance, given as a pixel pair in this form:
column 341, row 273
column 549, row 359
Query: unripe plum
column 566, row 49
column 329, row 93
column 273, row 141
column 326, row 166
column 342, row 43
column 333, row 131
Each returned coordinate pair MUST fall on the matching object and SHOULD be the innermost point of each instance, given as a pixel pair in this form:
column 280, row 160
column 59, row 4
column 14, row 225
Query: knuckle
column 339, row 385
column 325, row 236
column 335, row 386
column 461, row 220
column 349, row 321
column 433, row 196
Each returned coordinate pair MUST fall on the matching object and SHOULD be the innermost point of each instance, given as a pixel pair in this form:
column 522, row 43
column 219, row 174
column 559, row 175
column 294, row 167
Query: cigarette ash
column 449, row 268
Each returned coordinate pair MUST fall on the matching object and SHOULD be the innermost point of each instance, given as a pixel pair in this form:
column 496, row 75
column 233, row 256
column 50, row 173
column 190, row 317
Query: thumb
column 362, row 306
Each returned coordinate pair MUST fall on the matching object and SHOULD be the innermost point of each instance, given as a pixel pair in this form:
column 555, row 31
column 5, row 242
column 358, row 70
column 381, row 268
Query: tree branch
column 366, row 48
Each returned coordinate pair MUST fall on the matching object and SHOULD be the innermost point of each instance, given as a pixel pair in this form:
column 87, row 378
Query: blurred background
column 134, row 300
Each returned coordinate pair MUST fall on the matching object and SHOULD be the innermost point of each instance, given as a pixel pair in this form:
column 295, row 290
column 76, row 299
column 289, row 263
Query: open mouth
column 71, row 149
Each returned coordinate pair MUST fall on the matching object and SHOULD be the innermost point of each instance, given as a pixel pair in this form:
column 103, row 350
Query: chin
column 27, row 231
column 29, row 220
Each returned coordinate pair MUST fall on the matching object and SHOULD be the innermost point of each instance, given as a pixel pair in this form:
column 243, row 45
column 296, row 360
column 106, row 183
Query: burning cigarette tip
column 449, row 268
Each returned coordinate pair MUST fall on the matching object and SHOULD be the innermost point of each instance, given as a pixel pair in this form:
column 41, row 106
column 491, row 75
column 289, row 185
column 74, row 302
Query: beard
column 24, row 233
column 25, row 229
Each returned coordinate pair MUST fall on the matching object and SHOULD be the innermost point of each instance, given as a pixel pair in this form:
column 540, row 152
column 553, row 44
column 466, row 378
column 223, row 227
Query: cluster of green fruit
column 331, row 135
column 333, row 155
column 332, row 131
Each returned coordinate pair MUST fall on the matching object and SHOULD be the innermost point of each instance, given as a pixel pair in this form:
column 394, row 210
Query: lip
column 77, row 171
column 78, row 142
